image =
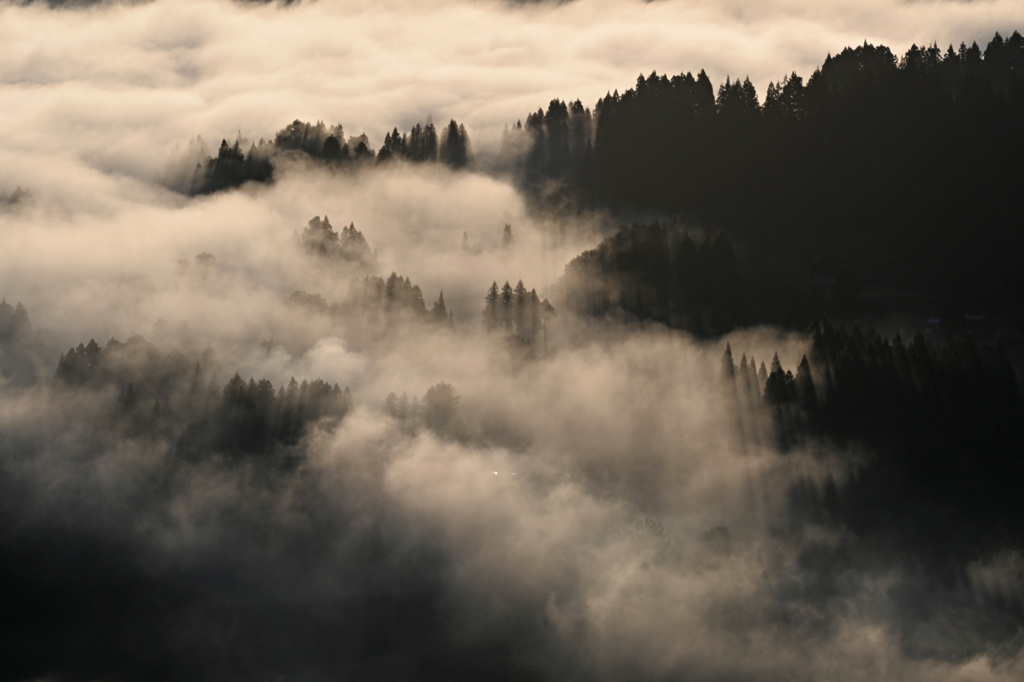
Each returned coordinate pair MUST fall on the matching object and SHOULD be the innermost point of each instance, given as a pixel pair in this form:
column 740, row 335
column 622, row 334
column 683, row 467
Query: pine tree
column 492, row 315
column 805, row 386
column 439, row 312
column 728, row 367
column 520, row 311
column 505, row 299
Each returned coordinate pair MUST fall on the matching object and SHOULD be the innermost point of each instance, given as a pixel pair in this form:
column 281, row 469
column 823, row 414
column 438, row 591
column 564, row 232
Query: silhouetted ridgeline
column 905, row 170
column 196, row 172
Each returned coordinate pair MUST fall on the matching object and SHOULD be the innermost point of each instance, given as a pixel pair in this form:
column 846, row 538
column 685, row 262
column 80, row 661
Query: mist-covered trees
column 516, row 311
column 438, row 411
column 17, row 365
column 14, row 322
column 454, row 147
column 17, row 197
column 379, row 304
column 423, row 144
column 393, row 297
column 194, row 171
column 230, row 168
column 180, row 398
column 439, row 311
column 134, row 361
column 931, row 427
column 252, row 417
column 553, row 148
column 651, row 272
column 371, row 298
column 316, row 140
column 349, row 245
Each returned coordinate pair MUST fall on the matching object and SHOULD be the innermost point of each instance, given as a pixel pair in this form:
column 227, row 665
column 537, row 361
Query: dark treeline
column 252, row 417
column 939, row 419
column 180, row 398
column 230, row 168
column 905, row 170
column 196, row 172
column 651, row 272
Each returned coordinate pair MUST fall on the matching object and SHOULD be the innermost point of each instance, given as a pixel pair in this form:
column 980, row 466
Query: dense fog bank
column 429, row 498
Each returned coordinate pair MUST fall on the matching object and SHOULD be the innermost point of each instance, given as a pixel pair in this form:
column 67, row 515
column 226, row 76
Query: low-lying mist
column 593, row 503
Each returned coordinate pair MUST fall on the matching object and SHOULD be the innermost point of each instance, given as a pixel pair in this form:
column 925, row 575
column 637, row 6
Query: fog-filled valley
column 345, row 341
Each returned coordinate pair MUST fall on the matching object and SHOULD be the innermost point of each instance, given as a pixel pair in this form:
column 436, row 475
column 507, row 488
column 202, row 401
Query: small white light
column 495, row 473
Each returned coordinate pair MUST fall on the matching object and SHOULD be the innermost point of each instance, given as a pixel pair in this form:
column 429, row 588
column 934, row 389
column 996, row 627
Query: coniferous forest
column 708, row 376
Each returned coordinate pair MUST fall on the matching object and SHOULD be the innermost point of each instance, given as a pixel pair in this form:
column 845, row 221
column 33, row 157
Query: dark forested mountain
column 905, row 170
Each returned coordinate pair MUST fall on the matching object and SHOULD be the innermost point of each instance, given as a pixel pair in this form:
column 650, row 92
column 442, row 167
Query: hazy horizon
column 116, row 87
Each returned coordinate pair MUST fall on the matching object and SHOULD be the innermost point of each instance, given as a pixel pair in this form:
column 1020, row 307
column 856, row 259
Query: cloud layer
column 115, row 87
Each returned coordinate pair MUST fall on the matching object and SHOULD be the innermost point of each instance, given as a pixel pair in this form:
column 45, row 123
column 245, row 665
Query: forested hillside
column 896, row 171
